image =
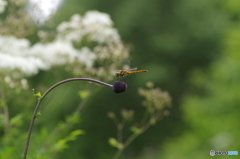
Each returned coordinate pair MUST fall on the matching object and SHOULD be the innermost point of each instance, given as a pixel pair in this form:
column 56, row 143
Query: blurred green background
column 190, row 48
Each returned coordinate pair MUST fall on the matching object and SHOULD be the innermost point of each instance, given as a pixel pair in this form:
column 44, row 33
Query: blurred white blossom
column 97, row 25
column 96, row 18
column 3, row 4
column 41, row 10
column 24, row 83
column 86, row 56
column 54, row 53
column 13, row 46
column 69, row 46
column 14, row 54
column 28, row 65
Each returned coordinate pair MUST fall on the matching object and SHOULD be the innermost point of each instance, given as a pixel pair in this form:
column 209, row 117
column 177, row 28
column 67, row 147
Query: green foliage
column 212, row 111
column 83, row 94
column 155, row 101
column 74, row 118
column 24, row 56
column 191, row 49
column 17, row 120
column 114, row 143
column 63, row 143
column 136, row 130
column 39, row 95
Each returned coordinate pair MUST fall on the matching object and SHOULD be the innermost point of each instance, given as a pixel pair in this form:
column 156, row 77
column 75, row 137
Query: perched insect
column 123, row 73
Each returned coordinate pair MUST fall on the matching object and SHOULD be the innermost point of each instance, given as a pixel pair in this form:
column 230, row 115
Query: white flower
column 105, row 35
column 24, row 83
column 3, row 4
column 28, row 65
column 96, row 18
column 13, row 46
column 95, row 25
column 72, row 30
column 14, row 54
column 73, row 24
column 99, row 26
column 86, row 56
column 41, row 10
column 54, row 53
column 61, row 52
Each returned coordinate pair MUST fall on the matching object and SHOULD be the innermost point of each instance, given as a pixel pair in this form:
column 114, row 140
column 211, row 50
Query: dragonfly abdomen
column 130, row 72
column 124, row 73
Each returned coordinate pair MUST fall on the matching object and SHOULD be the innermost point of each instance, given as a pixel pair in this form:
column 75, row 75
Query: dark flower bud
column 119, row 87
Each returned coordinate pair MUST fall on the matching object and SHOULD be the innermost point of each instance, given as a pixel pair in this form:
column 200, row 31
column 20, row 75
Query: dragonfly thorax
column 117, row 74
column 120, row 74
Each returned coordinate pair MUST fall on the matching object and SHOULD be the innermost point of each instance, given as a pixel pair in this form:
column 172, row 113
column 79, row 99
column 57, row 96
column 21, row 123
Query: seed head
column 119, row 87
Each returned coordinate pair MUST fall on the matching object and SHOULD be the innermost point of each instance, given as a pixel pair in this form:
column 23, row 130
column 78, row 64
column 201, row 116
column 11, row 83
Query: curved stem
column 41, row 99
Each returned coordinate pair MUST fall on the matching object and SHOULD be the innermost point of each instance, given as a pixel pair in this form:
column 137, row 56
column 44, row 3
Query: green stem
column 129, row 140
column 41, row 99
column 134, row 135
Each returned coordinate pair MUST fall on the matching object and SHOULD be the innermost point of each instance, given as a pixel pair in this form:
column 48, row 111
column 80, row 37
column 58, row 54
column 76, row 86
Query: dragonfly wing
column 133, row 69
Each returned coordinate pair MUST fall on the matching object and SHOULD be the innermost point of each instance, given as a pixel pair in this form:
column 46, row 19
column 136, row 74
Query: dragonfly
column 122, row 73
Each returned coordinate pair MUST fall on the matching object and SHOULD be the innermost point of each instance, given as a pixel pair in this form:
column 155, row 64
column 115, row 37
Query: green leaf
column 113, row 142
column 38, row 95
column 16, row 120
column 75, row 118
column 75, row 133
column 83, row 94
column 39, row 113
column 62, row 143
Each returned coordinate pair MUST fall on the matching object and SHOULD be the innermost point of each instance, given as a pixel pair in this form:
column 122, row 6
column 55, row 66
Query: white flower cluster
column 14, row 54
column 97, row 25
column 41, row 10
column 3, row 4
column 18, row 54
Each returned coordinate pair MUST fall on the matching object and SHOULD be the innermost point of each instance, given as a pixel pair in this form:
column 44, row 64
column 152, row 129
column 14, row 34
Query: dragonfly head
column 117, row 74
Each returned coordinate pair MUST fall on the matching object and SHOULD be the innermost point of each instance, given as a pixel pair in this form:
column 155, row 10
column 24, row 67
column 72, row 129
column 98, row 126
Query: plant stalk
column 41, row 99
